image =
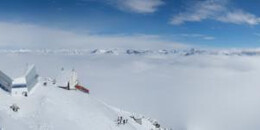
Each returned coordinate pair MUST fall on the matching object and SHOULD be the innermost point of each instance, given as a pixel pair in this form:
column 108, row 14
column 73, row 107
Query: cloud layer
column 32, row 36
column 201, row 36
column 138, row 6
column 215, row 10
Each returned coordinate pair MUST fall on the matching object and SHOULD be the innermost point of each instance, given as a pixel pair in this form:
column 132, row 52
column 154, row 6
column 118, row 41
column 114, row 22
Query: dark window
column 19, row 86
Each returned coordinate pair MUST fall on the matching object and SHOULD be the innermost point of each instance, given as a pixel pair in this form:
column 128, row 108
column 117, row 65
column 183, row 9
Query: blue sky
column 201, row 23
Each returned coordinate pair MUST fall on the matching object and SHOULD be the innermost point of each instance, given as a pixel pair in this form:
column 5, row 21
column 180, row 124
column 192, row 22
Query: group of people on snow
column 121, row 120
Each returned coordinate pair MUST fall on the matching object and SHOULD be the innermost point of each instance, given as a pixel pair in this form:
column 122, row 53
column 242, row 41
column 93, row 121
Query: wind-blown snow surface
column 196, row 92
column 53, row 108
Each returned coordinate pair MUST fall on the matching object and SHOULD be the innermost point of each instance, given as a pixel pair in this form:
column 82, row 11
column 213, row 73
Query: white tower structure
column 73, row 80
column 67, row 79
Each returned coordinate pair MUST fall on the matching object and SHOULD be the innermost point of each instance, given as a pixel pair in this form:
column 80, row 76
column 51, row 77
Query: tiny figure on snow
column 14, row 107
column 54, row 81
column 25, row 94
column 121, row 118
column 118, row 119
column 45, row 84
column 156, row 124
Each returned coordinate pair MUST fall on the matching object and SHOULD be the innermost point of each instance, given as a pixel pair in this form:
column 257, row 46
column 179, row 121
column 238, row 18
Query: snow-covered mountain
column 181, row 52
column 52, row 108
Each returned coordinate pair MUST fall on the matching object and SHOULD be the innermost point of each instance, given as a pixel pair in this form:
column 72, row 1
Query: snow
column 191, row 89
column 20, row 80
column 50, row 107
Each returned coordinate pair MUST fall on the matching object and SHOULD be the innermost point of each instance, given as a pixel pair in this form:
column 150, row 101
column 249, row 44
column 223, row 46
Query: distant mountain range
column 180, row 52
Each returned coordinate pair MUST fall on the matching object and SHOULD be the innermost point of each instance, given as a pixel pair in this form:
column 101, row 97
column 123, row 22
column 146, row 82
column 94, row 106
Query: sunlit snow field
column 199, row 92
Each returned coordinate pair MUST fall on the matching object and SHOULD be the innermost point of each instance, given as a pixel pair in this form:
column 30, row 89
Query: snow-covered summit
column 52, row 108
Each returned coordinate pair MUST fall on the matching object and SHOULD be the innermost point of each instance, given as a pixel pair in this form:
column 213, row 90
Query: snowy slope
column 53, row 108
